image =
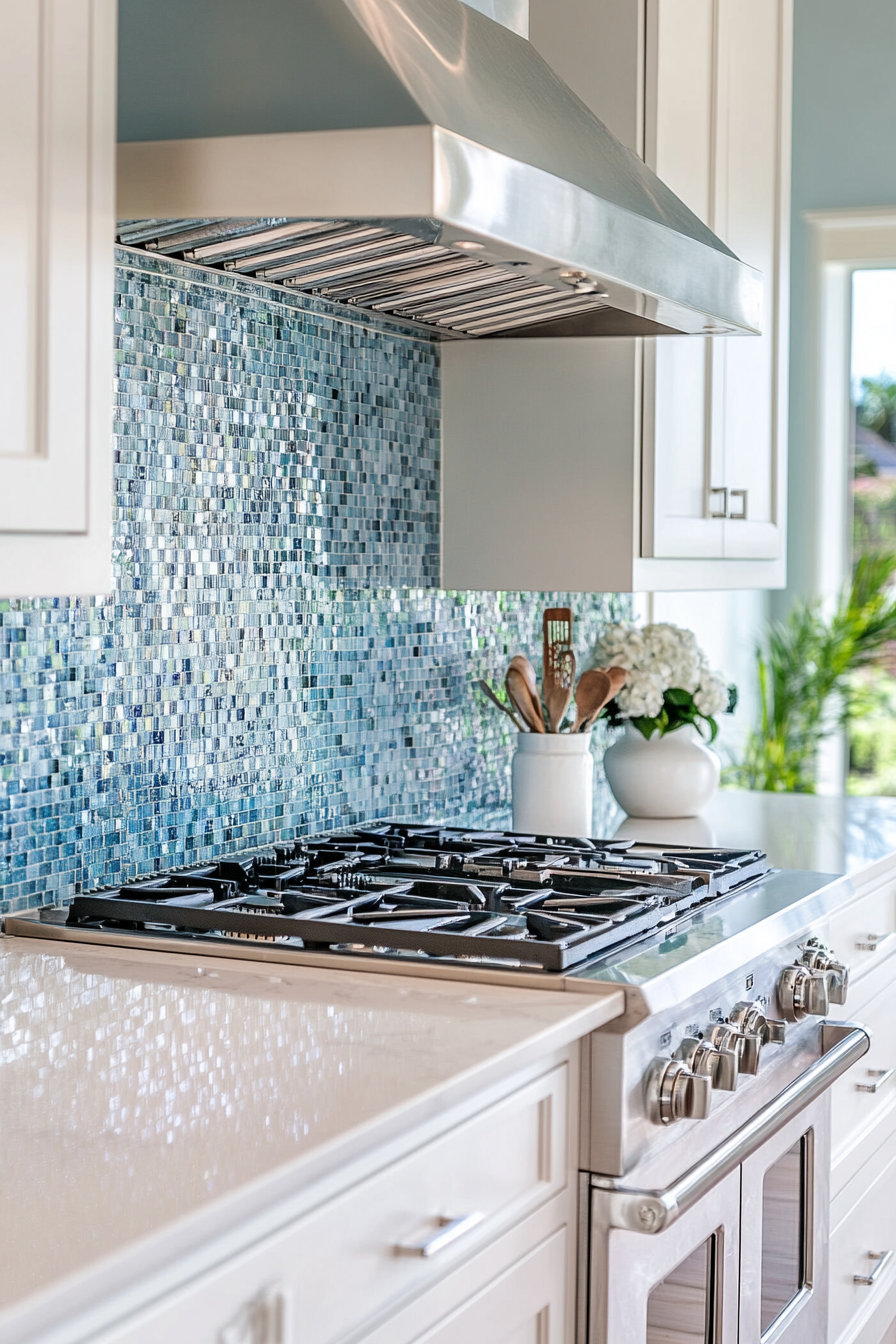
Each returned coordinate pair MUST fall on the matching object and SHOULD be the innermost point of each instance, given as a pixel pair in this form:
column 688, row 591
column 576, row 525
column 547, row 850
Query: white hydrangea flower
column 660, row 658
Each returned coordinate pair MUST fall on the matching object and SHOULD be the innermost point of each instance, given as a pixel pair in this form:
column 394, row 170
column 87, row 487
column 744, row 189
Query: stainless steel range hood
column 413, row 157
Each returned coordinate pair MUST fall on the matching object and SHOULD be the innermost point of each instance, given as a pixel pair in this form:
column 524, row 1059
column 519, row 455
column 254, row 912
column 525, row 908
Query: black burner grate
column 543, row 902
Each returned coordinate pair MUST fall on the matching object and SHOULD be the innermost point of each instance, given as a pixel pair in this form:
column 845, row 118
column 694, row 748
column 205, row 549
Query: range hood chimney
column 415, row 158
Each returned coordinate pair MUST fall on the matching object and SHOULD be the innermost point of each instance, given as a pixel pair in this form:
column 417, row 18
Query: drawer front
column 866, row 1229
column 360, row 1255
column 524, row 1306
column 863, row 933
column 863, row 1096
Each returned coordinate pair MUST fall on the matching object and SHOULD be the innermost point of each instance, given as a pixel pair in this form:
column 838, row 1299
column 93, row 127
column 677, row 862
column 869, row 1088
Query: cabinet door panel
column 57, row 148
column 525, row 1306
column 45, row 83
column 715, row 418
column 678, row 423
column 748, row 218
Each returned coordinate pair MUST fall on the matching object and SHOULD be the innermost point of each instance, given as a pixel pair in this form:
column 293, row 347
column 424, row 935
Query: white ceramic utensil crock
column 553, row 776
column 671, row 776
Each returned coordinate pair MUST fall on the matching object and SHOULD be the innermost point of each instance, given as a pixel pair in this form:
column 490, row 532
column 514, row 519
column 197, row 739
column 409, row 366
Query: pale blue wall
column 844, row 155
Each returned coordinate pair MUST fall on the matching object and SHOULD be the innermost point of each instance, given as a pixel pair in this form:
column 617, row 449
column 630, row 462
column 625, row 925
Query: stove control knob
column 751, row 1020
column 675, row 1093
column 716, row 1062
column 820, row 958
column 803, row 993
column 745, row 1045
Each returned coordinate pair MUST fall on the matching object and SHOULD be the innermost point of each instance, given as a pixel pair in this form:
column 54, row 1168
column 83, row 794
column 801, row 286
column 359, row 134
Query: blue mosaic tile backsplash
column 276, row 657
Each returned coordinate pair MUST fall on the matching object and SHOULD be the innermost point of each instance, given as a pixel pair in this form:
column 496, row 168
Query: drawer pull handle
column 450, row 1231
column 882, row 1076
column 723, row 511
column 876, row 942
column 883, row 1258
column 741, row 516
column 264, row 1320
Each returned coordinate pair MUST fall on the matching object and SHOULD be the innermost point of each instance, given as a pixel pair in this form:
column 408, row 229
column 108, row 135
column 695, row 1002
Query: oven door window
column 683, row 1308
column 786, row 1231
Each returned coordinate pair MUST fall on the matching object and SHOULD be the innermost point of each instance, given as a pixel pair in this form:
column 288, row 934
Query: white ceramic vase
column 671, row 776
column 553, row 777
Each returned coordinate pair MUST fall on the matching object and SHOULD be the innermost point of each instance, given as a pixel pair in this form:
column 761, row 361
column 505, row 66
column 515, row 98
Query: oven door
column 734, row 1250
column 681, row 1285
column 785, row 1199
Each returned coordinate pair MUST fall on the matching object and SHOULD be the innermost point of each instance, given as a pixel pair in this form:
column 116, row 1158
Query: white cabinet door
column 57, row 144
column 683, row 454
column 752, row 214
column 527, row 1305
column 718, row 132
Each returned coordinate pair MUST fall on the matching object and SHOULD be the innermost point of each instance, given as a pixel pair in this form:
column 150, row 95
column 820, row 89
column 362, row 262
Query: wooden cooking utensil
column 505, row 709
column 521, row 662
column 560, row 694
column 518, row 695
column 559, row 665
column 593, row 690
column 617, row 677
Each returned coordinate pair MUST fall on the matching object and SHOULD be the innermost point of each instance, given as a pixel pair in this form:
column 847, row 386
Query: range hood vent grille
column 397, row 275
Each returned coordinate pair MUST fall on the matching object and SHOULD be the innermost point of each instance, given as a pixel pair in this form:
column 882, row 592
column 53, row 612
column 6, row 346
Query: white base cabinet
column 57, row 148
column 863, row 1123
column 643, row 463
column 367, row 1263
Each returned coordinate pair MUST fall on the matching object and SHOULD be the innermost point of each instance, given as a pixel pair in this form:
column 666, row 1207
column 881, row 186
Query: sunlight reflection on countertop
column 137, row 1087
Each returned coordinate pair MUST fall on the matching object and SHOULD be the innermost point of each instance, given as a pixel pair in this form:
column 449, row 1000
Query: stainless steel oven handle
column 651, row 1211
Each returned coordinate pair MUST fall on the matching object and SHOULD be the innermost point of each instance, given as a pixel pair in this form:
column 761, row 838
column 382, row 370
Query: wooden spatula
column 560, row 694
column 559, row 666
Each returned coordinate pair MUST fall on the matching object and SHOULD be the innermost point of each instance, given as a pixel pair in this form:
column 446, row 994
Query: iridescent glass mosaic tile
column 276, row 657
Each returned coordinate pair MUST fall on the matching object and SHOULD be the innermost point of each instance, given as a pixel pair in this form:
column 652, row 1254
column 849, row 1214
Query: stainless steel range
column 705, row 1135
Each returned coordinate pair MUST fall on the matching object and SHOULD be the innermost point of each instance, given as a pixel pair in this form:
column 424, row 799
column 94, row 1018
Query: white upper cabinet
column 643, row 463
column 717, row 131
column 57, row 146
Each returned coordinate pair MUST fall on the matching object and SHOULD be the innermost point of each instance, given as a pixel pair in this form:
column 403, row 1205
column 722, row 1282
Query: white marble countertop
column 145, row 1092
column 796, row 830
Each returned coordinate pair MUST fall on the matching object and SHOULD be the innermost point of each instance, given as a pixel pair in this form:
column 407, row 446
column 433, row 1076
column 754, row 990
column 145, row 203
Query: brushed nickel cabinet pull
column 876, row 942
column 742, row 496
column 723, row 512
column 450, row 1230
column 882, row 1076
column 883, row 1258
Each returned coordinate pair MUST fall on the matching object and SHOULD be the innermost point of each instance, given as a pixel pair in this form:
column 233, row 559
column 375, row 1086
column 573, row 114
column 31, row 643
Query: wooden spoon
column 593, row 691
column 521, row 662
column 519, row 697
column 617, row 677
column 487, row 690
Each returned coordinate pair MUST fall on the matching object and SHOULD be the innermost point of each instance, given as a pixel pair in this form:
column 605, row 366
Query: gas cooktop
column 431, row 893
